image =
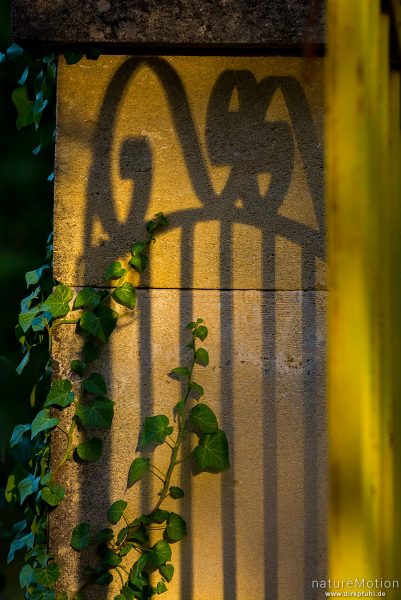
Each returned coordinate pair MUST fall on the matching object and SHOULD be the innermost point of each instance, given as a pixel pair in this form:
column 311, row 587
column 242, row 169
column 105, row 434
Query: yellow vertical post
column 352, row 135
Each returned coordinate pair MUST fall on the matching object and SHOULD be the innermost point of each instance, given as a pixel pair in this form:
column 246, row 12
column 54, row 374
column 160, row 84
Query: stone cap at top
column 263, row 23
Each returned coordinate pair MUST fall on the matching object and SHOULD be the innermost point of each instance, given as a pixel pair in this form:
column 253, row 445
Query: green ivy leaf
column 96, row 415
column 53, row 494
column 212, row 452
column 28, row 486
column 137, row 470
column 90, row 352
column 47, row 576
column 138, row 248
column 25, row 319
column 159, row 554
column 111, row 558
column 203, row 419
column 159, row 516
column 58, row 302
column 202, row 357
column 80, row 537
column 43, row 421
column 25, row 541
column 62, row 596
column 167, row 571
column 176, row 528
column 181, row 371
column 42, row 594
column 104, row 535
column 161, row 587
column 18, row 434
column 192, row 324
column 201, row 332
column 126, row 549
column 95, row 384
column 90, row 450
column 125, row 295
column 100, row 323
column 116, row 511
column 139, row 262
column 126, row 594
column 71, row 57
column 155, row 430
column 114, row 271
column 87, row 298
column 176, row 492
column 104, row 579
column 78, row 367
column 24, row 106
column 198, row 389
column 25, row 576
column 60, row 393
column 33, row 277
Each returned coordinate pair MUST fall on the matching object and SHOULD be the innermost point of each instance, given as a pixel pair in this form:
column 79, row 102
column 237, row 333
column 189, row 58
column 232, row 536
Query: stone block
column 230, row 148
column 278, row 23
column 259, row 530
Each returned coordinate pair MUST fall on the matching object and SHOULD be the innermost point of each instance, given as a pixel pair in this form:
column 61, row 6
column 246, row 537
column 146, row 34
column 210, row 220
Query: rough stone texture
column 170, row 22
column 230, row 148
column 258, row 531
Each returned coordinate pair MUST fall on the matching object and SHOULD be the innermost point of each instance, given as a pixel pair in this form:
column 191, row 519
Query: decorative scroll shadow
column 231, row 143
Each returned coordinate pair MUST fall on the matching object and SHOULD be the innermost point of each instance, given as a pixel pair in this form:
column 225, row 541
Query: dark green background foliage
column 26, row 198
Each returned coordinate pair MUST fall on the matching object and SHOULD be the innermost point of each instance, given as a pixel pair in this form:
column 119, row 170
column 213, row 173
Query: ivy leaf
column 40, row 322
column 100, row 323
column 116, row 511
column 24, row 106
column 125, row 295
column 126, row 594
column 114, row 271
column 90, row 352
column 203, row 419
column 181, row 371
column 167, row 571
column 111, row 558
column 23, row 363
column 60, row 393
column 47, row 576
column 202, row 357
column 201, row 332
column 87, row 298
column 95, row 384
column 161, row 587
column 158, row 516
column 26, row 541
column 80, row 537
column 176, row 492
column 18, row 434
column 155, row 430
column 212, row 452
column 58, row 301
column 159, row 554
column 28, row 486
column 25, row 576
column 42, row 594
column 104, row 578
column 53, row 493
column 90, row 450
column 33, row 277
column 43, row 421
column 192, row 324
column 78, row 367
column 137, row 470
column 96, row 415
column 198, row 389
column 126, row 549
column 138, row 248
column 71, row 57
column 176, row 528
column 62, row 596
column 104, row 535
column 25, row 319
column 139, row 262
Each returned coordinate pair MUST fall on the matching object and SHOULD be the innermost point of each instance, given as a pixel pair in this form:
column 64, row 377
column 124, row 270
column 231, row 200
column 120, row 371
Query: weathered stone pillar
column 230, row 148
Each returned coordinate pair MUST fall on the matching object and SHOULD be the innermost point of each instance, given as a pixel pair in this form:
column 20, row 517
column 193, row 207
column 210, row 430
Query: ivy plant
column 94, row 313
column 190, row 418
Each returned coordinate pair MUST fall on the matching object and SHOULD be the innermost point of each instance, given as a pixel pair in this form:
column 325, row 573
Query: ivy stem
column 67, row 453
column 181, row 433
column 65, row 322
column 157, row 469
column 62, row 429
column 158, row 476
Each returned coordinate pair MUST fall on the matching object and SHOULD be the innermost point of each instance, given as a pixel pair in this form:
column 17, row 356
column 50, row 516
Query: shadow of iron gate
column 228, row 144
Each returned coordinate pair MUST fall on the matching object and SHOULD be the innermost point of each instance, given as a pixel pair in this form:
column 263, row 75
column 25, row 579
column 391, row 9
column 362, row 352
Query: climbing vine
column 130, row 553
